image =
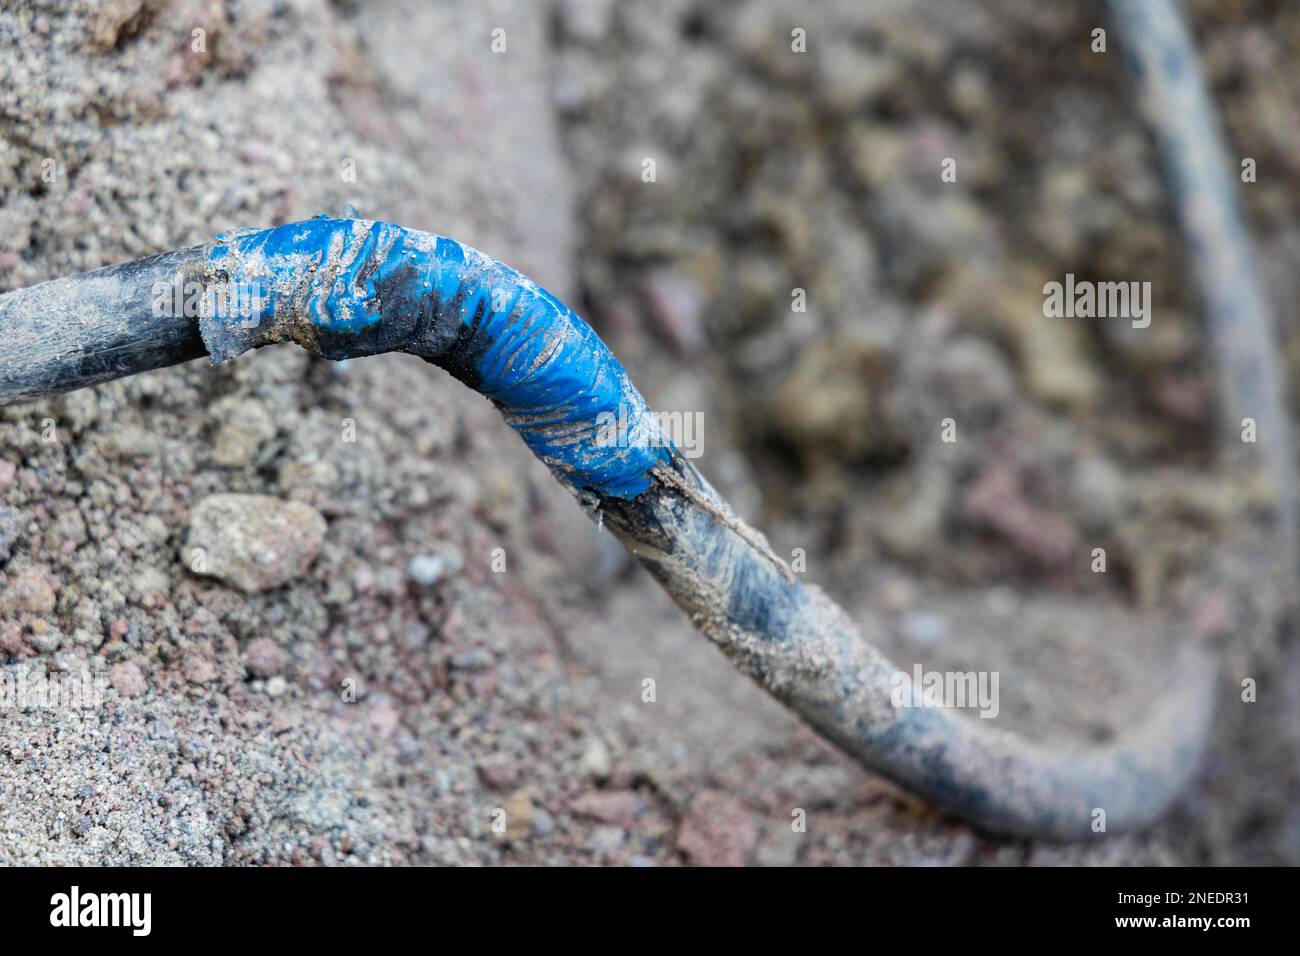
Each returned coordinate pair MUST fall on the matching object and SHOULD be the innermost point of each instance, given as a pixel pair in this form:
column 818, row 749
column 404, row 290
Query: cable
column 82, row 330
column 1221, row 259
column 345, row 288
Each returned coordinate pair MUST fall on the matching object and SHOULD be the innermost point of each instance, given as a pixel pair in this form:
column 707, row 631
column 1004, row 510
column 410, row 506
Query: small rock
column 617, row 807
column 197, row 669
column 606, row 839
column 11, row 639
column 276, row 687
column 246, row 427
column 11, row 525
column 253, row 542
column 1099, row 491
column 114, row 20
column 499, row 775
column 717, row 830
column 263, row 658
column 46, row 639
column 7, row 472
column 29, row 592
column 520, row 813
column 427, row 570
column 127, row 679
column 151, row 585
column 595, row 762
column 203, row 623
column 543, row 823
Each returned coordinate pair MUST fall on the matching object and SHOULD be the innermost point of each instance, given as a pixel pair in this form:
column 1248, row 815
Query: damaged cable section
column 344, row 288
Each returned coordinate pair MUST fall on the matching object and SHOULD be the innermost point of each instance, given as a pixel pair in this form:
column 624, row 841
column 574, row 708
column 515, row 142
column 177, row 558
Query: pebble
column 717, row 830
column 521, row 813
column 617, row 807
column 427, row 570
column 1098, row 488
column 253, row 542
column 198, row 669
column 127, row 679
column 30, row 592
column 47, row 640
column 246, row 428
column 595, row 763
column 543, row 823
column 11, row 524
column 263, row 658
column 606, row 839
column 499, row 775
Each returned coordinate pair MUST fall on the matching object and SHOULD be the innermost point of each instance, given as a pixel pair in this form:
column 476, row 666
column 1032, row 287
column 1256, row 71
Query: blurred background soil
column 229, row 733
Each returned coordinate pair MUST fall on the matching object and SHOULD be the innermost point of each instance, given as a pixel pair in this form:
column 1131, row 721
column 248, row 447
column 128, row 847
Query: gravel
column 328, row 690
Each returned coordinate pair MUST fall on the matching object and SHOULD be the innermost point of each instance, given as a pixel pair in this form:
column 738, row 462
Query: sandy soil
column 388, row 686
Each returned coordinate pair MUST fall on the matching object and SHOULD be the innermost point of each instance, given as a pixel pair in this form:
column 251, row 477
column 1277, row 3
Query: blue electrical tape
column 352, row 287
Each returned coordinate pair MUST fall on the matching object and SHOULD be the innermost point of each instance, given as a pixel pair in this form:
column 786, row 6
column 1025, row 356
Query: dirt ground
column 443, row 635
